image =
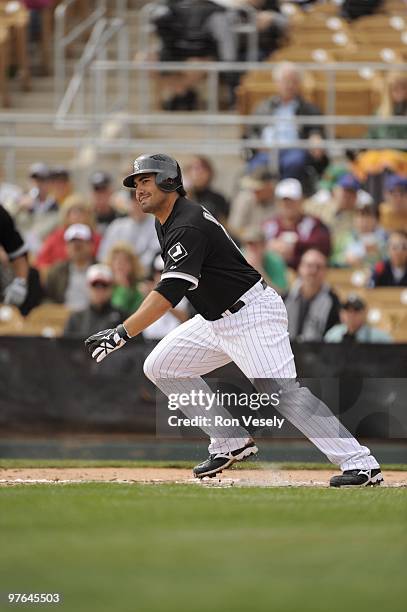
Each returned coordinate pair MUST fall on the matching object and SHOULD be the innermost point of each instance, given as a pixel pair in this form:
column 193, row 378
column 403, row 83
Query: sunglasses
column 100, row 285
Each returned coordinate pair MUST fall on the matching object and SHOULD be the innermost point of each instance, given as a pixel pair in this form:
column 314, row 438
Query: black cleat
column 357, row 478
column 221, row 461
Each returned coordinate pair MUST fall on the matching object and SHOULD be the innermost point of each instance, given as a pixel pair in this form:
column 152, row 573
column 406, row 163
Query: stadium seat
column 49, row 314
column 393, row 320
column 4, row 63
column 11, row 320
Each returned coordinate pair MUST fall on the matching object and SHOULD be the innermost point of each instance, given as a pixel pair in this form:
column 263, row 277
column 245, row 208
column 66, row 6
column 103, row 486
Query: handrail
column 84, row 60
column 101, row 33
column 62, row 40
column 197, row 119
column 230, row 146
column 243, row 66
column 214, row 69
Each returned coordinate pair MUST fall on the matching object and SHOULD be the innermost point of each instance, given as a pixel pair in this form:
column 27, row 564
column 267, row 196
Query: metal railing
column 103, row 31
column 63, row 39
column 144, row 71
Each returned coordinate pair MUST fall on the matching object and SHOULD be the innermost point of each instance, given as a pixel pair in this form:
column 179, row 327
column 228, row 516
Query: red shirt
column 54, row 248
column 311, row 234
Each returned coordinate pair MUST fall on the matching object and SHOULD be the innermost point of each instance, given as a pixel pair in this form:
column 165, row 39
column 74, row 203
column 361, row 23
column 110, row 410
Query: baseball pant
column 256, row 339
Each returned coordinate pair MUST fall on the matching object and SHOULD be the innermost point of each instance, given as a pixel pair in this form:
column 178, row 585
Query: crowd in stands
column 98, row 255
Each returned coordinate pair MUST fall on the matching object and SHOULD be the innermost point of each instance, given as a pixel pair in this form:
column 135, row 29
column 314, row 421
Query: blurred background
column 289, row 120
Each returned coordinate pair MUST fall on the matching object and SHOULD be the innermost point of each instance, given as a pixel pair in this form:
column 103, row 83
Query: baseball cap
column 78, row 231
column 289, row 188
column 257, row 179
column 39, row 171
column 395, row 181
column 353, row 302
column 348, row 181
column 60, row 173
column 364, row 202
column 99, row 273
column 100, row 179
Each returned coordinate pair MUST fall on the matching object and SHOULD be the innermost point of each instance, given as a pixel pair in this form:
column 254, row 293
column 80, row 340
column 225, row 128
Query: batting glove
column 16, row 292
column 103, row 343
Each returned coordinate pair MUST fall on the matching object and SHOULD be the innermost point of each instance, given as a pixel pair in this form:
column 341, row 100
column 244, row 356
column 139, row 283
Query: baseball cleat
column 357, row 478
column 221, row 461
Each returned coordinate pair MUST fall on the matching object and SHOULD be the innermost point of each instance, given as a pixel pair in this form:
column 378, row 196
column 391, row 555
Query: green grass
column 142, row 463
column 176, row 548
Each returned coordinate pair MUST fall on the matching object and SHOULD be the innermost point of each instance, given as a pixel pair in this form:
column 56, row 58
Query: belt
column 240, row 303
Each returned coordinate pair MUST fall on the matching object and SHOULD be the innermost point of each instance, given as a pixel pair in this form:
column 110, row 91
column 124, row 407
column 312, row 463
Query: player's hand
column 103, row 343
column 16, row 292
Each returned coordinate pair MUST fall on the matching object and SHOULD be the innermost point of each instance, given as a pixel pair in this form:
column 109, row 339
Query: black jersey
column 10, row 238
column 197, row 248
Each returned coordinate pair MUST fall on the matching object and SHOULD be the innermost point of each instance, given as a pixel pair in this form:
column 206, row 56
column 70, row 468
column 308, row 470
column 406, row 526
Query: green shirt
column 127, row 299
column 276, row 270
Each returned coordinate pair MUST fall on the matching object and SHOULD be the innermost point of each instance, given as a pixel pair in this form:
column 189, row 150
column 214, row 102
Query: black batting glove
column 103, row 343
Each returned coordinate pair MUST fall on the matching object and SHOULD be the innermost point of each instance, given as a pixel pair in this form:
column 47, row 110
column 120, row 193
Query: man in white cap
column 291, row 232
column 66, row 281
column 100, row 312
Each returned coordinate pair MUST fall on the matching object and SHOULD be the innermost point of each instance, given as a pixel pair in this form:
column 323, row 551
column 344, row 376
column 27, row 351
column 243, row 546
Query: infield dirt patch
column 238, row 477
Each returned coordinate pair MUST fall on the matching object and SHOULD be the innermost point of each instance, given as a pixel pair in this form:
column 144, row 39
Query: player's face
column 148, row 195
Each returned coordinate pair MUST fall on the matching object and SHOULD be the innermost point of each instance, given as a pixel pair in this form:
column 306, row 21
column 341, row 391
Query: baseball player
column 13, row 244
column 239, row 319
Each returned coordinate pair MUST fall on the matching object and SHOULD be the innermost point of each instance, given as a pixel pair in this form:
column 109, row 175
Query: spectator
column 191, row 30
column 270, row 265
column 254, row 204
column 338, row 212
column 393, row 104
column 198, row 177
column 392, row 271
column 393, row 211
column 352, row 9
column 312, row 306
column 100, row 314
column 75, row 210
column 102, row 200
column 365, row 244
column 290, row 233
column 127, row 273
column 353, row 326
column 61, row 184
column 137, row 230
column 172, row 318
column 37, row 212
column 271, row 26
column 302, row 164
column 66, row 280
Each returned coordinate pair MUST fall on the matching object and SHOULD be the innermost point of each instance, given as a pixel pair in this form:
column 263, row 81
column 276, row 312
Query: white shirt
column 140, row 235
column 285, row 131
column 164, row 324
column 76, row 294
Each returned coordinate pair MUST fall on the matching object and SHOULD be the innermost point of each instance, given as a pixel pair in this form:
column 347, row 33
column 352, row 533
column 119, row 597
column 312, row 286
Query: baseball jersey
column 10, row 238
column 197, row 248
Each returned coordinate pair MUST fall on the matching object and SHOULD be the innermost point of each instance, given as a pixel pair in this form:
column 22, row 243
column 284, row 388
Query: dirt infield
column 240, row 477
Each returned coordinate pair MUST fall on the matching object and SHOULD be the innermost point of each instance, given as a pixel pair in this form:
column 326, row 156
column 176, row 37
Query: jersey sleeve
column 184, row 254
column 10, row 238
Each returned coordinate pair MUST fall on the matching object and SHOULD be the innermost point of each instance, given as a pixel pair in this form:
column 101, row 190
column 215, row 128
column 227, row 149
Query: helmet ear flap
column 167, row 183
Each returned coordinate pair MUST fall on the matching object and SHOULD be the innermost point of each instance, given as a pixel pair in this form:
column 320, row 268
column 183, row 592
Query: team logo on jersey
column 177, row 252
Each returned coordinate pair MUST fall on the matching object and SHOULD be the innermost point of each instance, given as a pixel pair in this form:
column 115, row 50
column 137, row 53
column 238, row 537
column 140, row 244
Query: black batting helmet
column 167, row 172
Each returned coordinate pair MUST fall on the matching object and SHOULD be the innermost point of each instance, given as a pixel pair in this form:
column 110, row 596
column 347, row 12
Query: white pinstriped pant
column 256, row 339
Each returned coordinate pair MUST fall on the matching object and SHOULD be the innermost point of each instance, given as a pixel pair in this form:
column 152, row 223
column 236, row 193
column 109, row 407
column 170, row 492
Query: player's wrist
column 123, row 333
